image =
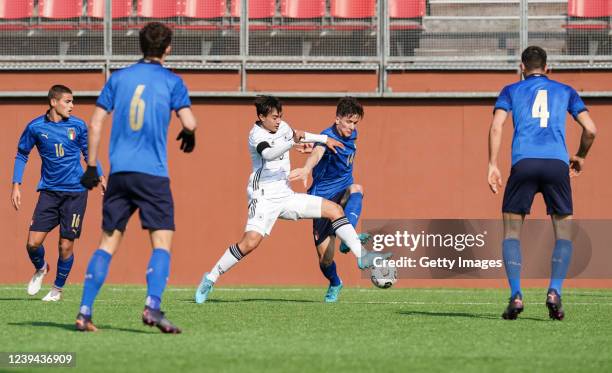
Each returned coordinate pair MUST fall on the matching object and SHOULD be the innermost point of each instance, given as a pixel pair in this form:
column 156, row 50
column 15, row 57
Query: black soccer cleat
column 555, row 308
column 153, row 317
column 84, row 324
column 515, row 306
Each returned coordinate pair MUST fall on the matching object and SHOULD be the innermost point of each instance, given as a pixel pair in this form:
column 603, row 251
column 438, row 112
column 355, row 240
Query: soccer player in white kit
column 271, row 197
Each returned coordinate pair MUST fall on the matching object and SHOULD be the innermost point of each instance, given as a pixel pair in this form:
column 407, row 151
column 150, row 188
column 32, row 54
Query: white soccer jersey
column 271, row 177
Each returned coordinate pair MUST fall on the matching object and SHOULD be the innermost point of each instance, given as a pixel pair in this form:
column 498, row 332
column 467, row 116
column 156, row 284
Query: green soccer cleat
column 332, row 293
column 367, row 260
column 204, row 290
column 363, row 237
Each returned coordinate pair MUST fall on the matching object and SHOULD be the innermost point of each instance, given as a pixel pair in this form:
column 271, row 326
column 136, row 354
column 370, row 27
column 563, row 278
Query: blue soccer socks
column 63, row 270
column 511, row 251
column 37, row 256
column 157, row 277
column 560, row 261
column 97, row 270
column 330, row 273
column 353, row 208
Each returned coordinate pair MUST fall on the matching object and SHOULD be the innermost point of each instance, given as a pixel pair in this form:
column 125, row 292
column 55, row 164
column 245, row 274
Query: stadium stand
column 120, row 8
column 258, row 9
column 10, row 9
column 60, row 9
column 588, row 25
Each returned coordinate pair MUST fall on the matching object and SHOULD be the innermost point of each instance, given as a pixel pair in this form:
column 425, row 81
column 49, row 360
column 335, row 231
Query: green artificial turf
column 291, row 329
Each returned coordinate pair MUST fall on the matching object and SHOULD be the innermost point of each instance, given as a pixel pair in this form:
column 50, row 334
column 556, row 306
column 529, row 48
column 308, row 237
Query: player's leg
column 72, row 212
column 117, row 208
column 232, row 255
column 351, row 201
column 325, row 252
column 521, row 187
column 36, row 252
column 44, row 219
column 557, row 193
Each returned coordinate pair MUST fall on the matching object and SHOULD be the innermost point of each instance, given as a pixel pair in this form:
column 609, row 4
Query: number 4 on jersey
column 540, row 108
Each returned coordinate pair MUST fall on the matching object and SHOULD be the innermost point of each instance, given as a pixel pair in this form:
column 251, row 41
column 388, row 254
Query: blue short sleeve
column 180, row 96
column 504, row 101
column 106, row 99
column 576, row 105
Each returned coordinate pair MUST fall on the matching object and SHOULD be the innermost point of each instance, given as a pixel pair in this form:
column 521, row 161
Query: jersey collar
column 536, row 76
column 149, row 62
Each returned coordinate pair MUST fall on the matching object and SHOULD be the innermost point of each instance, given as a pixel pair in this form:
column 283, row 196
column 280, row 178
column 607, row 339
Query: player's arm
column 586, row 140
column 495, row 137
column 311, row 162
column 84, row 150
column 94, row 132
column 26, row 143
column 187, row 134
column 269, row 152
column 307, row 137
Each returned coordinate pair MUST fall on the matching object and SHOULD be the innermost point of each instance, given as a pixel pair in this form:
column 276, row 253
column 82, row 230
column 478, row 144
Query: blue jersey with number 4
column 142, row 97
column 334, row 172
column 539, row 107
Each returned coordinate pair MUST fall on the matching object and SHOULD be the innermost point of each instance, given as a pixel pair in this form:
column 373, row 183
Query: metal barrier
column 299, row 34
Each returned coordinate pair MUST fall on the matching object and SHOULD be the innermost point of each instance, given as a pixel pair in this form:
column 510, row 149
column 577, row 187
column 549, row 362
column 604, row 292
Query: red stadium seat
column 203, row 8
column 589, row 8
column 121, row 8
column 11, row 9
column 303, row 8
column 353, row 8
column 60, row 9
column 158, row 8
column 257, row 8
column 406, row 8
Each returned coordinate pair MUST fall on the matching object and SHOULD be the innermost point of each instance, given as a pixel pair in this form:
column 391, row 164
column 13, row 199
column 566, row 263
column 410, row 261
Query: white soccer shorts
column 263, row 212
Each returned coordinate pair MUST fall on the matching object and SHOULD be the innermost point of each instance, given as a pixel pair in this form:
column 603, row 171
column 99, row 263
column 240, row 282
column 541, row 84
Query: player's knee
column 65, row 248
column 356, row 188
column 332, row 210
column 33, row 245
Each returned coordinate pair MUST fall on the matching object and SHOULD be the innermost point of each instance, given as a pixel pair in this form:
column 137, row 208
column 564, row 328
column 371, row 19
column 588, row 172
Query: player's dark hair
column 155, row 37
column 533, row 58
column 265, row 104
column 57, row 91
column 349, row 106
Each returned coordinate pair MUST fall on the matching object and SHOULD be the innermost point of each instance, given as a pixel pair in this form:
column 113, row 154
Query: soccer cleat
column 332, row 293
column 363, row 237
column 36, row 281
column 54, row 295
column 204, row 289
column 367, row 260
column 515, row 306
column 157, row 318
column 84, row 324
column 555, row 308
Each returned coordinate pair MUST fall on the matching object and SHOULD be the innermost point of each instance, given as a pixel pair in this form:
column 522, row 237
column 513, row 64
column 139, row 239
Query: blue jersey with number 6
column 142, row 97
column 538, row 107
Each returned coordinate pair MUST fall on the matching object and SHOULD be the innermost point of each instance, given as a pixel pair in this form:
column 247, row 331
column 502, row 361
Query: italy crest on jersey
column 71, row 133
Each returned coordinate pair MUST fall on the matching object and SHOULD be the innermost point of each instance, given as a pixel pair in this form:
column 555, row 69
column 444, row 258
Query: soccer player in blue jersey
column 142, row 98
column 333, row 179
column 540, row 163
column 60, row 139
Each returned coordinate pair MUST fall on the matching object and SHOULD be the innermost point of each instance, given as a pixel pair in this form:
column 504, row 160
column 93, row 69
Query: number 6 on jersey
column 540, row 108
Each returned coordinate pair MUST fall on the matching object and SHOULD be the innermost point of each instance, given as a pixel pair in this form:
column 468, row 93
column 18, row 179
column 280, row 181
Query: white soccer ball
column 384, row 276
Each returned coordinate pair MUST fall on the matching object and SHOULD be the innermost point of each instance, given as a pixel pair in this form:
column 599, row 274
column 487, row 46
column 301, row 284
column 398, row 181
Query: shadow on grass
column 71, row 328
column 276, row 300
column 28, row 299
column 460, row 314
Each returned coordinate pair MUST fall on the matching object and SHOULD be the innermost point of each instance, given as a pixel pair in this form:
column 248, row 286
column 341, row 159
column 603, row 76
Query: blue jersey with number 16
column 539, row 107
column 142, row 97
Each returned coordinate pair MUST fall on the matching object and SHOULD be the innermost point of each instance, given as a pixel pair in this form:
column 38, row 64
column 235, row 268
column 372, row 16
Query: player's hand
column 332, row 144
column 187, row 140
column 103, row 184
column 304, row 147
column 494, row 179
column 90, row 178
column 299, row 174
column 16, row 197
column 298, row 135
column 576, row 165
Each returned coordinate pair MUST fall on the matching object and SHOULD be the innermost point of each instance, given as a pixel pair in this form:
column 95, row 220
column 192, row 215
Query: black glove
column 90, row 178
column 188, row 140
